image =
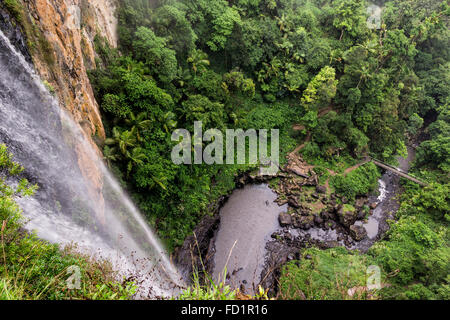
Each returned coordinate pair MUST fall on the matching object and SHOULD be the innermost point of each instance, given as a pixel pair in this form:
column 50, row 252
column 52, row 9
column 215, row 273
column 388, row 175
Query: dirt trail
column 293, row 154
column 300, row 147
column 356, row 166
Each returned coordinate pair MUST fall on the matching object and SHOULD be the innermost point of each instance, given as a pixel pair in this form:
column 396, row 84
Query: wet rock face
column 13, row 33
column 198, row 249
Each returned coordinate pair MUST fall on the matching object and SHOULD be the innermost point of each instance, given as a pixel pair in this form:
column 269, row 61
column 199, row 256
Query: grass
column 33, row 269
column 325, row 275
column 204, row 287
column 15, row 8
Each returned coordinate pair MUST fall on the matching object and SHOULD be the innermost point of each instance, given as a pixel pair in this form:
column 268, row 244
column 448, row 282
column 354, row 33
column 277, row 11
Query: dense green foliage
column 324, row 275
column 359, row 182
column 34, row 269
column 266, row 64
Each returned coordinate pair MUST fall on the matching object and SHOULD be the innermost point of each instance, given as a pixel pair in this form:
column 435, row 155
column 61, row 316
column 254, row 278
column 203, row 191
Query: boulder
column 304, row 222
column 358, row 232
column 331, row 244
column 321, row 189
column 298, row 171
column 346, row 218
column 293, row 202
column 318, row 220
column 285, row 219
column 359, row 203
column 361, row 215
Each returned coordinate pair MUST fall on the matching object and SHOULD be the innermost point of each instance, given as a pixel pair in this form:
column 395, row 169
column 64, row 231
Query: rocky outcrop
column 284, row 219
column 197, row 251
column 358, row 232
column 346, row 217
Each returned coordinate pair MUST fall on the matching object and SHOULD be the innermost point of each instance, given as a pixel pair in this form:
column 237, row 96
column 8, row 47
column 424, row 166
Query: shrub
column 358, row 182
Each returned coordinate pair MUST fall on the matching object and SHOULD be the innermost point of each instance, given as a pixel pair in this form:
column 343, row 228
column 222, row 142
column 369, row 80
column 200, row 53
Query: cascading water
column 86, row 207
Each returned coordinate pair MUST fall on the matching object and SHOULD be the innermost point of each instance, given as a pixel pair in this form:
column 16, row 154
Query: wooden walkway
column 397, row 172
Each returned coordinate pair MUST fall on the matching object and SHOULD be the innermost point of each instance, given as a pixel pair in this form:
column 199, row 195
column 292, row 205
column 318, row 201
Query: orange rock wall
column 66, row 30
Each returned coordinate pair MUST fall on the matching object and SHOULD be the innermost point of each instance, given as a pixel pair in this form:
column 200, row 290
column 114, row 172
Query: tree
column 214, row 21
column 135, row 157
column 116, row 105
column 321, row 90
column 200, row 108
column 110, row 155
column 170, row 22
column 138, row 123
column 350, row 17
column 154, row 52
column 123, row 140
column 236, row 81
column 415, row 123
column 168, row 121
column 199, row 61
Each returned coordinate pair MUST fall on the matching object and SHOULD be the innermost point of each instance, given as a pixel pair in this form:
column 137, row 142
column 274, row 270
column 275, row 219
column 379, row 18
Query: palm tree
column 156, row 181
column 365, row 73
column 168, row 121
column 123, row 140
column 136, row 156
column 138, row 123
column 284, row 24
column 199, row 61
column 110, row 155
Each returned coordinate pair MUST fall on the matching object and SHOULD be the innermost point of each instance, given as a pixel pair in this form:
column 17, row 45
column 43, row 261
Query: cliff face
column 60, row 39
column 69, row 28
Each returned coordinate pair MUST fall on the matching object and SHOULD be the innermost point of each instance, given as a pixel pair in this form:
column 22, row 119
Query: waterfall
column 74, row 204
